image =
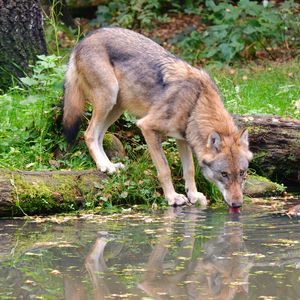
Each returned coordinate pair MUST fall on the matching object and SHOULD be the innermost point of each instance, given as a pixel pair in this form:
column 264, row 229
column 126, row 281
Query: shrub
column 136, row 14
column 130, row 14
column 241, row 29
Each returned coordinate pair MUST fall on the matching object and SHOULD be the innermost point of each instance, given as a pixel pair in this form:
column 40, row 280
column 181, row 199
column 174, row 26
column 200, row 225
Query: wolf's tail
column 73, row 102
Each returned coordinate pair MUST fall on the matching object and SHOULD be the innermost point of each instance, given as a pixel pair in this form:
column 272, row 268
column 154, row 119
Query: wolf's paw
column 119, row 166
column 197, row 196
column 111, row 168
column 177, row 199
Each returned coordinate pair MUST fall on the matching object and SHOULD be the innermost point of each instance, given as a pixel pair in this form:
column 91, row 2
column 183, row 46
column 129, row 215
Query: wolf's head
column 225, row 163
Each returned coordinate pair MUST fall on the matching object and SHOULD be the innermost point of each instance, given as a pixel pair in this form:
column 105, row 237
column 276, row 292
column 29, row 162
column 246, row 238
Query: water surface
column 184, row 253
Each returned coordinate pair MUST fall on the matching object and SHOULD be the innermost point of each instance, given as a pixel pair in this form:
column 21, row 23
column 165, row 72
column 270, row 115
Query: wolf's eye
column 242, row 173
column 224, row 174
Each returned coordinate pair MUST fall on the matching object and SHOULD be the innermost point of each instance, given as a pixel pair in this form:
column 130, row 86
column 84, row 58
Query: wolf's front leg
column 153, row 140
column 189, row 173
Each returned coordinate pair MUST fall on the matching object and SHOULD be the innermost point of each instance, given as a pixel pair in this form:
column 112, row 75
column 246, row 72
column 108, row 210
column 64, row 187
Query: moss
column 258, row 160
column 32, row 198
column 89, row 187
column 260, row 156
column 258, row 186
column 67, row 186
column 40, row 197
column 250, row 129
column 108, row 141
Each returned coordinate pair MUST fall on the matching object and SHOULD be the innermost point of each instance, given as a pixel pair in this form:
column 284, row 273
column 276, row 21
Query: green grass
column 27, row 116
column 271, row 89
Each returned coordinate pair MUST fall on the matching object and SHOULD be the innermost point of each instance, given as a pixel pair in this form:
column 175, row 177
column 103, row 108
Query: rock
column 294, row 211
column 113, row 146
column 257, row 186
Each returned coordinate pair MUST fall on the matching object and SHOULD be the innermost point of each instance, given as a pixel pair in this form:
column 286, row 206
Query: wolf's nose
column 236, row 204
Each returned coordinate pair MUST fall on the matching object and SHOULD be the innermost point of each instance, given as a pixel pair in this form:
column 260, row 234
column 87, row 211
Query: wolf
column 117, row 69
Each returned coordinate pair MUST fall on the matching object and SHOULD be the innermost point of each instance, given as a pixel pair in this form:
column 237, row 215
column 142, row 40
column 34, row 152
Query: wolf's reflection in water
column 217, row 271
column 180, row 266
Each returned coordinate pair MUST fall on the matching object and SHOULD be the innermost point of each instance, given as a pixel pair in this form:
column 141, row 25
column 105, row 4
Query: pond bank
column 48, row 192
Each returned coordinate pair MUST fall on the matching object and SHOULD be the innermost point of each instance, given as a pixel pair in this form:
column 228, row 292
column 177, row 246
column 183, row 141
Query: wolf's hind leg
column 105, row 112
column 189, row 173
column 113, row 115
column 153, row 140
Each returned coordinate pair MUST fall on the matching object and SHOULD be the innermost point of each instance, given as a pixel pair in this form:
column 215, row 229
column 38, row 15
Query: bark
column 275, row 142
column 21, row 38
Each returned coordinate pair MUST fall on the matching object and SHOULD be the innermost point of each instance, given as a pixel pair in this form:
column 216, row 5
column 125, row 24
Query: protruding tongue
column 234, row 210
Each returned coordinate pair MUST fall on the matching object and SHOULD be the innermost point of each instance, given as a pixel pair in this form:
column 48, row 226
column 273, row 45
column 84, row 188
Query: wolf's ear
column 245, row 143
column 244, row 137
column 214, row 141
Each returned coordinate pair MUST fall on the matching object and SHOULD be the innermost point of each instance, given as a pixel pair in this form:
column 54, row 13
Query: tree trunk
column 275, row 142
column 21, row 38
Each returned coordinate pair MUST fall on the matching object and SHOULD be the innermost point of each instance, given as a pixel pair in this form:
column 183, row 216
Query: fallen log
column 44, row 192
column 275, row 142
